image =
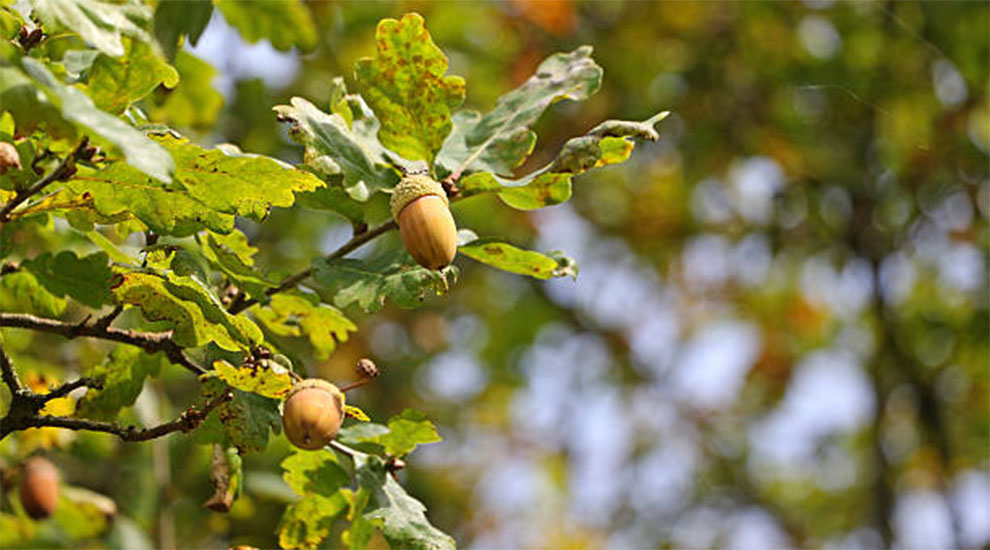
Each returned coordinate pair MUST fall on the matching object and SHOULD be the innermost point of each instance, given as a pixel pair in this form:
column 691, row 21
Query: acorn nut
column 420, row 207
column 8, row 157
column 39, row 487
column 313, row 413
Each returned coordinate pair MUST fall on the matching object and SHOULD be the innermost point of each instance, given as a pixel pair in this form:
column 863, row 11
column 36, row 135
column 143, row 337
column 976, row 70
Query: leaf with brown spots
column 406, row 87
column 506, row 257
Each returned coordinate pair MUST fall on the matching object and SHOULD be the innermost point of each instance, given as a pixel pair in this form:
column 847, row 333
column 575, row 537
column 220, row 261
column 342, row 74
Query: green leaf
column 173, row 20
column 101, row 24
column 231, row 254
column 506, row 257
column 195, row 315
column 365, row 437
column 86, row 279
column 359, row 534
column 401, row 517
column 406, row 431
column 393, row 275
column 23, row 292
column 141, row 153
column 210, row 188
column 285, row 23
column 265, row 377
column 333, row 148
column 245, row 421
column 314, row 472
column 194, row 103
column 115, row 83
column 501, row 140
column 309, row 522
column 302, row 315
column 123, row 374
column 406, row 87
column 610, row 142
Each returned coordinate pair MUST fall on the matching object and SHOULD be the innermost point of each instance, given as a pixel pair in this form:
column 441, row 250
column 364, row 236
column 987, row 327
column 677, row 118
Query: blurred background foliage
column 779, row 333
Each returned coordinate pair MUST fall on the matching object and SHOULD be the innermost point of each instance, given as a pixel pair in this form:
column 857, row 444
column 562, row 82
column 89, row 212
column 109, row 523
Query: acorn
column 420, row 207
column 39, row 487
column 9, row 157
column 313, row 413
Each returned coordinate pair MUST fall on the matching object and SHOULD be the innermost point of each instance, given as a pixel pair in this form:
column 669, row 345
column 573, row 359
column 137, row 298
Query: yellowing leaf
column 406, row 87
column 266, row 378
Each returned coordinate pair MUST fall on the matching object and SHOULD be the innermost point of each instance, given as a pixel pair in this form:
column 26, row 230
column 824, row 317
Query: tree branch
column 149, row 341
column 9, row 374
column 242, row 303
column 189, row 420
column 65, row 169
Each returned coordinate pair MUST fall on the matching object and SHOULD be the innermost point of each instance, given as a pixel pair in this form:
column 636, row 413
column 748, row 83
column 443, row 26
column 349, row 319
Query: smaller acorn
column 420, row 207
column 9, row 157
column 39, row 487
column 312, row 413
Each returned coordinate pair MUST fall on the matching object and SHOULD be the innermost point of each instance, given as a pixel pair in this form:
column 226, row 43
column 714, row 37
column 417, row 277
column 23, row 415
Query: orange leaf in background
column 554, row 16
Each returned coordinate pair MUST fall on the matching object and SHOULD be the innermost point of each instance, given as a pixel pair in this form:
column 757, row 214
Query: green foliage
column 116, row 74
column 501, row 140
column 101, row 24
column 87, row 279
column 506, row 257
column 393, row 275
column 122, row 375
column 212, row 187
column 143, row 154
column 303, row 315
column 284, row 23
column 406, row 87
column 266, row 377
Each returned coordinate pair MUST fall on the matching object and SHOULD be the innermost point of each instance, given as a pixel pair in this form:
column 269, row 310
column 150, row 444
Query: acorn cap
column 412, row 188
column 314, row 383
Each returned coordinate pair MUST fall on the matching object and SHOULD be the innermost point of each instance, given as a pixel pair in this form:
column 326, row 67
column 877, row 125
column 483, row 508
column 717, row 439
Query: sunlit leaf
column 500, row 140
column 406, row 87
column 196, row 316
column 142, row 154
column 309, row 521
column 608, row 143
column 211, row 187
column 315, row 472
column 303, row 315
column 115, row 83
column 266, row 377
column 332, row 147
column 101, row 24
column 194, row 102
column 401, row 518
column 506, row 257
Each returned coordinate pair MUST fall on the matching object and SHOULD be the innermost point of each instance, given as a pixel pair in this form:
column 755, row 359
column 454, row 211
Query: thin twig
column 189, row 420
column 291, row 281
column 149, row 341
column 69, row 387
column 63, row 171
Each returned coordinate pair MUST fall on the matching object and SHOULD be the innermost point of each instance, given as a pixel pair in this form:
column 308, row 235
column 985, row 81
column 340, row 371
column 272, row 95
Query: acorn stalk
column 420, row 207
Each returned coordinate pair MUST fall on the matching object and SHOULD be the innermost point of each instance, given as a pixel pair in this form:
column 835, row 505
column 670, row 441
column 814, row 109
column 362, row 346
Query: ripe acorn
column 8, row 157
column 39, row 487
column 420, row 207
column 312, row 413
